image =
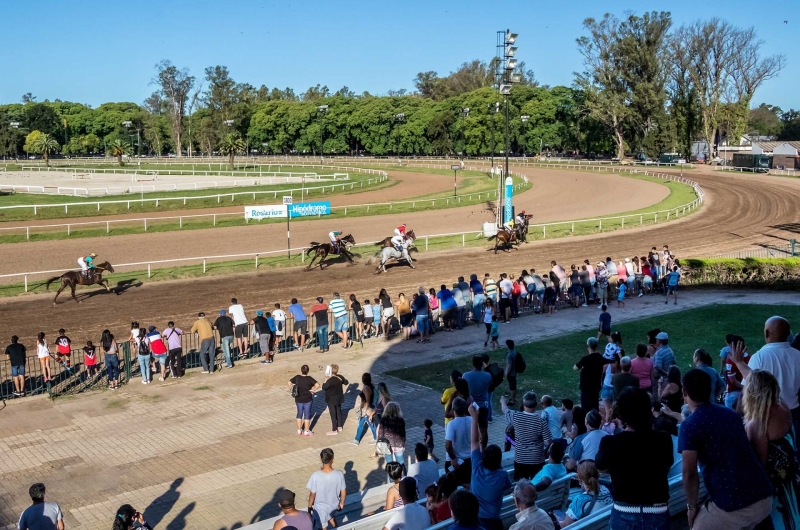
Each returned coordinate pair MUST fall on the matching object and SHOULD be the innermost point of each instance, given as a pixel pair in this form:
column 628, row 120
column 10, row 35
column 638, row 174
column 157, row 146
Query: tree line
column 644, row 87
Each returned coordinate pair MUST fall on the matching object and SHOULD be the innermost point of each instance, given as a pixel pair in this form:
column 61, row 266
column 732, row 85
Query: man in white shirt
column 425, row 471
column 279, row 316
column 411, row 516
column 236, row 310
column 506, row 292
column 457, row 441
column 778, row 358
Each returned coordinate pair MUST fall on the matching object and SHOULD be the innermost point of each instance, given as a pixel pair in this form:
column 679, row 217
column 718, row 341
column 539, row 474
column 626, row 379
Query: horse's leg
column 72, row 288
column 104, row 283
column 311, row 263
column 63, row 285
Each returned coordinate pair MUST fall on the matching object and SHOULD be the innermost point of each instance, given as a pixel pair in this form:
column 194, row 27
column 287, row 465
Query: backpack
column 497, row 376
column 519, row 363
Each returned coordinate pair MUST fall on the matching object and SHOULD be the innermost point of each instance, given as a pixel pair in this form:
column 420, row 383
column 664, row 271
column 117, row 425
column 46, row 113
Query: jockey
column 522, row 217
column 397, row 241
column 87, row 263
column 400, row 231
column 508, row 226
column 335, row 238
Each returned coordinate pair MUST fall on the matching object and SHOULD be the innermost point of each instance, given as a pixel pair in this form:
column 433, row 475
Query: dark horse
column 387, row 241
column 72, row 279
column 322, row 250
column 504, row 240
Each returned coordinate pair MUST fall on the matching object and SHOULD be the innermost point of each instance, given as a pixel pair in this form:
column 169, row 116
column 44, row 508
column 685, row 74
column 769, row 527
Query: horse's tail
column 492, row 238
column 51, row 280
column 313, row 247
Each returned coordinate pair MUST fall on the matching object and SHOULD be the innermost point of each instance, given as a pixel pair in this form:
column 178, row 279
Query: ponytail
column 124, row 518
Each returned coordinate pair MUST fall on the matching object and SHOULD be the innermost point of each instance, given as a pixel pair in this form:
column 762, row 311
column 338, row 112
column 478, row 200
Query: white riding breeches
column 83, row 265
column 398, row 240
column 332, row 237
column 398, row 233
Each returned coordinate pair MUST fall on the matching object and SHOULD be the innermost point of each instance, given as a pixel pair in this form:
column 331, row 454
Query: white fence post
column 204, row 265
column 148, row 270
column 145, row 224
column 28, row 233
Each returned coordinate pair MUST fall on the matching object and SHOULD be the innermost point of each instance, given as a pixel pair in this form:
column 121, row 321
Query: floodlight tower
column 505, row 63
column 464, row 114
column 400, row 118
column 323, row 110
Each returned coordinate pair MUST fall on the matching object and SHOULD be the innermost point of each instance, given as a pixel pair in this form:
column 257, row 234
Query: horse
column 387, row 241
column 72, row 279
column 504, row 239
column 387, row 253
column 322, row 250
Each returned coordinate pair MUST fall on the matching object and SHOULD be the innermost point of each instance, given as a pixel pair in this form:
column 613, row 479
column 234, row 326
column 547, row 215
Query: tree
column 230, row 145
column 791, row 125
column 175, row 86
column 119, row 149
column 765, row 120
column 42, row 144
column 607, row 96
column 28, row 98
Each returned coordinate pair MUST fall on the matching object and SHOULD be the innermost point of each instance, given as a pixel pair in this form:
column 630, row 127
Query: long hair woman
column 128, row 517
column 43, row 353
column 768, row 423
column 393, row 428
column 111, row 358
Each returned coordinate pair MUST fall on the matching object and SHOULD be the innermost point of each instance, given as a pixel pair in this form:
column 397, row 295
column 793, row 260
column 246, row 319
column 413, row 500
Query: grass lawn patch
column 550, row 361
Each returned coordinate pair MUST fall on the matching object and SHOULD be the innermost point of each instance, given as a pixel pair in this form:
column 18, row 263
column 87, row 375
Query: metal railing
column 767, row 251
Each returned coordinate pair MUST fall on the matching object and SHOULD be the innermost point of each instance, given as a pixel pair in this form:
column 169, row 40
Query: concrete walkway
column 211, row 451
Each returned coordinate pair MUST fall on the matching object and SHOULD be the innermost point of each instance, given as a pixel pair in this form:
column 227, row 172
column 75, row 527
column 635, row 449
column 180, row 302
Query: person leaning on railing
column 206, row 335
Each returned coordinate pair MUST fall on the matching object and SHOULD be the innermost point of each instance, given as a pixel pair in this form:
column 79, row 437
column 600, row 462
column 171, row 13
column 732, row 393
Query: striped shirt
column 338, row 307
column 531, row 434
column 490, row 288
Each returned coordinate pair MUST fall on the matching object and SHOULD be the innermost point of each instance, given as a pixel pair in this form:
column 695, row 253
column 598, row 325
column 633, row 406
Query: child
column 369, row 321
column 621, row 288
column 376, row 316
column 429, row 439
column 566, row 416
column 549, row 299
column 63, row 349
column 553, row 469
column 90, row 358
column 273, row 328
column 672, row 284
column 605, row 322
column 495, row 332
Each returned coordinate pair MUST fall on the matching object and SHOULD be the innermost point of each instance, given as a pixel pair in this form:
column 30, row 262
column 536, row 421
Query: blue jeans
column 322, row 337
column 112, row 366
column 639, row 521
column 227, row 346
column 207, row 354
column 144, row 366
column 361, row 431
column 730, row 398
column 489, row 405
column 461, row 316
column 304, row 410
column 477, row 307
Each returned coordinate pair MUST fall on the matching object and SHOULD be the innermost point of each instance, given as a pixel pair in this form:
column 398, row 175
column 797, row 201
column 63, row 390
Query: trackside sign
column 275, row 211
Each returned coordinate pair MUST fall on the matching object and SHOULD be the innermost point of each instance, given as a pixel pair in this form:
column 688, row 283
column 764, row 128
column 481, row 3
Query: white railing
column 149, row 221
column 381, row 176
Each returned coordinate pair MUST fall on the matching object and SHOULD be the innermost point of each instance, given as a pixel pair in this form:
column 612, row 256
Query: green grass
column 550, row 361
column 116, row 404
column 203, row 387
column 171, row 200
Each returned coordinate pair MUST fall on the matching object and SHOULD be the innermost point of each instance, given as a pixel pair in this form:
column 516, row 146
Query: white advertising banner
column 270, row 211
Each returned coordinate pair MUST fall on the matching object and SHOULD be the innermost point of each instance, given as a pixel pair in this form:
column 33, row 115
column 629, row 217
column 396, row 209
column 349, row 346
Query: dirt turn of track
column 555, row 196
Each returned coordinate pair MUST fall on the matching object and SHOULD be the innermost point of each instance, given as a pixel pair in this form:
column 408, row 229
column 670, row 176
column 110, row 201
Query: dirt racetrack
column 549, row 200
column 740, row 211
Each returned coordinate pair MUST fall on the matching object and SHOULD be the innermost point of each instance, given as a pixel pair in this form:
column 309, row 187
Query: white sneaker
column 160, row 378
column 299, row 432
column 640, row 295
column 204, row 372
column 585, row 305
column 144, row 382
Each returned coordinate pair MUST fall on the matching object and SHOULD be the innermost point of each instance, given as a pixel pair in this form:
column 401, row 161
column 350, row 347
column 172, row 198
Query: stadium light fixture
column 511, row 38
column 505, row 89
column 14, row 124
column 524, row 118
column 511, row 51
column 511, row 64
column 322, row 108
column 229, row 123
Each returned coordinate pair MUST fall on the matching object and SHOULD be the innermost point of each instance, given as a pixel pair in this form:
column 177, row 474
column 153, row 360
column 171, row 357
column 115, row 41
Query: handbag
column 295, row 391
column 383, row 447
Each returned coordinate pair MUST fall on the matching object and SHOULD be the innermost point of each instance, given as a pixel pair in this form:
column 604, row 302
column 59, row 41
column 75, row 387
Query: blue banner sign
column 307, row 209
column 508, row 209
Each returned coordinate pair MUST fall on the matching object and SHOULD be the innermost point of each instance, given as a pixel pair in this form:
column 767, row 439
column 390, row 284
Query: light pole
column 322, row 109
column 15, row 125
column 128, row 124
column 505, row 64
column 496, row 107
column 524, row 141
column 265, row 145
column 400, row 118
column 464, row 114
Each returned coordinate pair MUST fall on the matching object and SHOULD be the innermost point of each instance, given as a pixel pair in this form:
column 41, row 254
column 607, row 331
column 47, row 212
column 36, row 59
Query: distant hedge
column 757, row 273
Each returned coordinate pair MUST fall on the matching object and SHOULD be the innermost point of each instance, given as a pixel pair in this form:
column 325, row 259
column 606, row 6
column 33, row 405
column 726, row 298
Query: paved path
column 211, row 451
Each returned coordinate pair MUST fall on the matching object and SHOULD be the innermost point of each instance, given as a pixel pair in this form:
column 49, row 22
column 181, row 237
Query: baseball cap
column 260, row 313
column 151, row 328
column 286, row 498
column 221, row 311
column 627, row 260
column 319, row 299
column 662, row 336
column 408, row 488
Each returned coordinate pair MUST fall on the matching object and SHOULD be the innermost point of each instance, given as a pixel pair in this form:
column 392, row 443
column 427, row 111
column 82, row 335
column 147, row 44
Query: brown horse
column 322, row 250
column 72, row 279
column 505, row 240
column 387, row 241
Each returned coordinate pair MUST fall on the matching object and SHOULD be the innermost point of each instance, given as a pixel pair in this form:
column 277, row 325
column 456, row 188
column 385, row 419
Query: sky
column 92, row 52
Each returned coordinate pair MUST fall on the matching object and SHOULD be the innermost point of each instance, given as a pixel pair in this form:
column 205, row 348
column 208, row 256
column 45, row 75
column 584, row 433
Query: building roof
column 770, row 146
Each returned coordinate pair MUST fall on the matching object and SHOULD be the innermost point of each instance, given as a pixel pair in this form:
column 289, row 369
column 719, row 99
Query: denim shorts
column 607, row 392
column 422, row 323
column 161, row 359
column 341, row 323
column 304, row 410
column 17, row 370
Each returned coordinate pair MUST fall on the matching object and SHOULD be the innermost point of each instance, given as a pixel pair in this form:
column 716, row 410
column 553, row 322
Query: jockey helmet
column 522, row 212
column 93, row 255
